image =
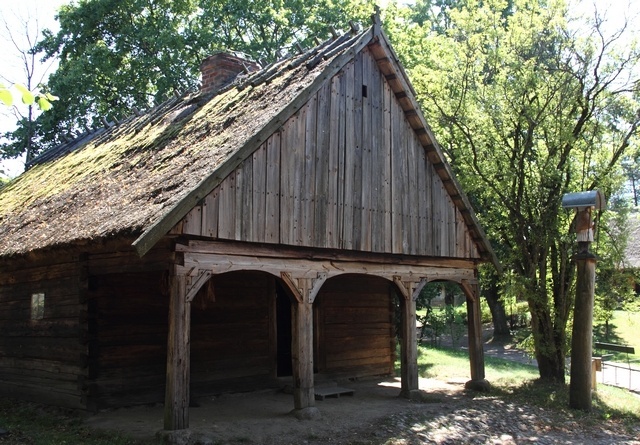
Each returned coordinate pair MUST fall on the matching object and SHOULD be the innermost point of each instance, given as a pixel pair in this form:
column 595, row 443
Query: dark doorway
column 283, row 319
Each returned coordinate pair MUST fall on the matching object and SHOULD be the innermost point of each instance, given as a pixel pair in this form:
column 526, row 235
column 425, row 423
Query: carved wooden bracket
column 470, row 289
column 409, row 289
column 304, row 289
column 195, row 280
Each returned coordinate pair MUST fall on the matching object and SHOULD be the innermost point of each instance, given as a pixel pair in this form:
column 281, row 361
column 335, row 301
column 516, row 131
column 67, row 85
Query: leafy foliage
column 528, row 106
column 119, row 54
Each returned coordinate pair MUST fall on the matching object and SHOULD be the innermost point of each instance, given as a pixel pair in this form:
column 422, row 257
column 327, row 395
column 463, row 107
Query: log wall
column 233, row 333
column 44, row 360
column 345, row 172
column 356, row 329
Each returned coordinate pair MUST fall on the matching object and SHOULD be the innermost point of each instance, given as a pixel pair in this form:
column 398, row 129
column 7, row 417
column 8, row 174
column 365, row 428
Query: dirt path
column 374, row 415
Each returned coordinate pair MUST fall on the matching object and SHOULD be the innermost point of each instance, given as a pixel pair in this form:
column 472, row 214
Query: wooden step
column 332, row 391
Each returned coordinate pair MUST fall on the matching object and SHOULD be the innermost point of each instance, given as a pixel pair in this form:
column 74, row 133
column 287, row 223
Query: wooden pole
column 476, row 347
column 176, row 405
column 409, row 342
column 302, row 348
column 409, row 349
column 581, row 347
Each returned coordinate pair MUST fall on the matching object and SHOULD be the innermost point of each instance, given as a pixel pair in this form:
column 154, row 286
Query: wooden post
column 476, row 347
column 580, row 384
column 409, row 344
column 176, row 405
column 302, row 353
column 305, row 291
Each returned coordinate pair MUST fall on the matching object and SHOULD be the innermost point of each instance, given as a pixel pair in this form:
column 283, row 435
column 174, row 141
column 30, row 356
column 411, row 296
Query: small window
column 37, row 306
column 364, row 91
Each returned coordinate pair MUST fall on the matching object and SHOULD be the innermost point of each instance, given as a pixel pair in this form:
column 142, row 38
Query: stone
column 309, row 413
column 177, row 437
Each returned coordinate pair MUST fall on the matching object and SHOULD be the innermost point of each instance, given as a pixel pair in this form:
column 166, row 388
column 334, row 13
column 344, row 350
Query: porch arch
column 303, row 272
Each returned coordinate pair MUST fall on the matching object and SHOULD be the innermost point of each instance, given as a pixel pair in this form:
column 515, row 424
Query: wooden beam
column 476, row 347
column 408, row 348
column 302, row 354
column 282, row 251
column 416, row 292
column 292, row 284
column 316, row 284
column 194, row 285
column 312, row 269
column 176, row 405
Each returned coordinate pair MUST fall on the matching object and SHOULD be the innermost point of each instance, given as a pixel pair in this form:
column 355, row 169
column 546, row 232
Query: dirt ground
column 375, row 414
column 264, row 417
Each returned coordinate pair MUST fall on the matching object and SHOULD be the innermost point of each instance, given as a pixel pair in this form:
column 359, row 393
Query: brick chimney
column 221, row 68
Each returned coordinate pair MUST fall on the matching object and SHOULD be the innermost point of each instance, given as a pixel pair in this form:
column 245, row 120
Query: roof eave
column 398, row 79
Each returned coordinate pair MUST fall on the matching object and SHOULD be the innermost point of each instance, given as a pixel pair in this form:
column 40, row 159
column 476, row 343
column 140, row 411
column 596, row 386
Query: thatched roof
column 141, row 176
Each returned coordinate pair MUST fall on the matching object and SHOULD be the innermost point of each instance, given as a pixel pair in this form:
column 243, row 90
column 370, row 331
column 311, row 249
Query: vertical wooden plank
column 406, row 193
column 397, row 172
column 286, row 181
column 357, row 153
column 259, row 194
column 192, row 222
column 273, row 190
column 368, row 179
column 377, row 159
column 211, row 210
column 387, row 175
column 446, row 211
column 176, row 403
column 436, row 218
column 342, row 158
column 322, row 155
column 308, row 198
column 461, row 245
column 422, row 177
column 244, row 187
column 332, row 164
column 429, row 239
column 349, row 158
column 414, row 153
column 296, row 151
column 227, row 213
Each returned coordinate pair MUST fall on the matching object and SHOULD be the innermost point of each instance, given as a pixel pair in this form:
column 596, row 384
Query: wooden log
column 176, row 408
column 409, row 344
column 474, row 317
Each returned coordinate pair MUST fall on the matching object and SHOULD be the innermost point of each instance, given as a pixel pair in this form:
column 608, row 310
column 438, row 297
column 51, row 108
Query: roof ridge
column 332, row 46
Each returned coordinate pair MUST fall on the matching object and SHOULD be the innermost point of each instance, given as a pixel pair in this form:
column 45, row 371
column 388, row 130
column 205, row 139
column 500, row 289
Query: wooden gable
column 347, row 171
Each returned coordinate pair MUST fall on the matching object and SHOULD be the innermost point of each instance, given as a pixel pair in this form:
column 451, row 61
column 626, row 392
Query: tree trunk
column 496, row 306
column 549, row 354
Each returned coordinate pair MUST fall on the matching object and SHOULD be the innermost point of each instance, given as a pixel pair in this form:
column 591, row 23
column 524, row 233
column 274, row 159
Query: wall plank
column 345, row 172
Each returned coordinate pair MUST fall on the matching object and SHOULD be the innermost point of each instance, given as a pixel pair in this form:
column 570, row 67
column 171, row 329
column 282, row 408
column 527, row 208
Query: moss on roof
column 124, row 179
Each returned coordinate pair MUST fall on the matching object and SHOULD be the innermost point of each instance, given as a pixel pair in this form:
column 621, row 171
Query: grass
column 520, row 382
column 623, row 329
column 32, row 424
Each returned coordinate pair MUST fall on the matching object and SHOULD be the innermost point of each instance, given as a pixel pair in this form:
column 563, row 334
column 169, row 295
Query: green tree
column 528, row 106
column 119, row 54
column 33, row 96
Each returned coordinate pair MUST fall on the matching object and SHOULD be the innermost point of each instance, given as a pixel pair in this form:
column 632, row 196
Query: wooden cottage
column 263, row 227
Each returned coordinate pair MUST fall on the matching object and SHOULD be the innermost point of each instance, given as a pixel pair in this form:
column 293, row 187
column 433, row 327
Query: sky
column 39, row 14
